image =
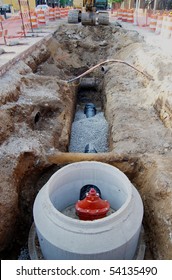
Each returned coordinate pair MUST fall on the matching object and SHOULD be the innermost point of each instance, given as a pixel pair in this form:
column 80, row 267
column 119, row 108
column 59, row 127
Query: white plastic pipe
column 113, row 237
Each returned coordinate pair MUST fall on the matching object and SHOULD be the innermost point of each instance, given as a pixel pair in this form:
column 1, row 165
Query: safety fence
column 159, row 22
column 19, row 25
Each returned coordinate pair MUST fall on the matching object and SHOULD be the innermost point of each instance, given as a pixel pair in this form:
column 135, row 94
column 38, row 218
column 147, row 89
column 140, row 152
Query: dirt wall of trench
column 36, row 114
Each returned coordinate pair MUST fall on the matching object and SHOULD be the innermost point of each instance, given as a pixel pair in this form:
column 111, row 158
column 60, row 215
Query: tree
column 63, row 3
column 115, row 3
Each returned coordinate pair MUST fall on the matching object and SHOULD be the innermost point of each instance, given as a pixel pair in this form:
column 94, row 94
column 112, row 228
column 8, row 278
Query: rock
column 166, row 145
column 2, row 51
column 103, row 44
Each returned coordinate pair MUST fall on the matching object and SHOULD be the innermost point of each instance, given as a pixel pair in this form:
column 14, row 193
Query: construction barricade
column 169, row 26
column 119, row 14
column 153, row 22
column 166, row 26
column 41, row 17
column 66, row 12
column 51, row 14
column 124, row 15
column 3, row 35
column 159, row 24
column 63, row 12
column 34, row 21
column 14, row 28
column 57, row 13
column 130, row 16
column 142, row 17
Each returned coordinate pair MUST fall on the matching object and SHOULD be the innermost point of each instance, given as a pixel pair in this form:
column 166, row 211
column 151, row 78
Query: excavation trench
column 44, row 127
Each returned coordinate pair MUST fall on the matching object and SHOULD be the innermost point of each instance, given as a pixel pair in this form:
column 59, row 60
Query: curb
column 4, row 68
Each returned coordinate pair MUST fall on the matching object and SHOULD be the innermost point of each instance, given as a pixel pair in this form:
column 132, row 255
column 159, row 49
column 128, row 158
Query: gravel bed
column 85, row 131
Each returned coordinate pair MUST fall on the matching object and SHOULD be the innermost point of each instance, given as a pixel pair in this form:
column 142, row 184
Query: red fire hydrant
column 92, row 207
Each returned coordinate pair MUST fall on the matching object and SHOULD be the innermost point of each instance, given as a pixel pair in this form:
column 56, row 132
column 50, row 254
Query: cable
column 109, row 61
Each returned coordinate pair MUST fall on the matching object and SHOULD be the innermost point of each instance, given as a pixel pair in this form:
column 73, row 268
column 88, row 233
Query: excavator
column 89, row 12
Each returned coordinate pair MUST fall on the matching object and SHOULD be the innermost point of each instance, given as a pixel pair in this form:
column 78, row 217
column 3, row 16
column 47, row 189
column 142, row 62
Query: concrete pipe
column 88, row 83
column 114, row 237
column 104, row 69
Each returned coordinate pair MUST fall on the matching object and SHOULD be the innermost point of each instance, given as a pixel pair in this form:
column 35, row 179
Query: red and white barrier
column 159, row 25
column 3, row 34
column 130, row 16
column 166, row 31
column 41, row 17
column 51, row 14
column 34, row 21
column 153, row 22
column 124, row 15
column 119, row 14
column 63, row 12
column 57, row 13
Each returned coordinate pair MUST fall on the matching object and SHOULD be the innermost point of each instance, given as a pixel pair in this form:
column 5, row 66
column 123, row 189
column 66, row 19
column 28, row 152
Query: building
column 15, row 4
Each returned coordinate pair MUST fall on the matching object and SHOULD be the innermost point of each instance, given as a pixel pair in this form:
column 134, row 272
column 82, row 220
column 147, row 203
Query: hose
column 110, row 61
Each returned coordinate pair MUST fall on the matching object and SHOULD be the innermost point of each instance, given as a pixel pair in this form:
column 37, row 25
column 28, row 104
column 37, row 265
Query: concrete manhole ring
column 113, row 237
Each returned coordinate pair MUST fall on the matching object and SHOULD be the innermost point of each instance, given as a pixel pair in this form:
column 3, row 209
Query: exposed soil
column 37, row 111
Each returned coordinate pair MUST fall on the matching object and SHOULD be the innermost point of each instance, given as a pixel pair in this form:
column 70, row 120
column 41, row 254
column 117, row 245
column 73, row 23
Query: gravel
column 85, row 131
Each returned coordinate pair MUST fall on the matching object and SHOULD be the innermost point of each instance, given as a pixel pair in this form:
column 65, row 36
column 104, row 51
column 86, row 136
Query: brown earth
column 37, row 109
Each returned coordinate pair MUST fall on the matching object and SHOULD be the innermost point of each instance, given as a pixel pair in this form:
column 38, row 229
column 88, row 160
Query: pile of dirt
column 38, row 109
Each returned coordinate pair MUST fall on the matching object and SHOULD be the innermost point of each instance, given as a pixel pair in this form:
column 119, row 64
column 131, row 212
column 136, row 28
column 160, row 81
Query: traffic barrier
column 124, row 15
column 63, row 12
column 153, row 22
column 41, row 17
column 66, row 11
column 51, row 14
column 3, row 34
column 170, row 25
column 119, row 14
column 34, row 21
column 149, row 13
column 159, row 25
column 164, row 29
column 130, row 17
column 135, row 17
column 57, row 13
column 142, row 17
